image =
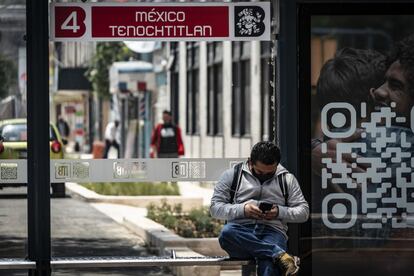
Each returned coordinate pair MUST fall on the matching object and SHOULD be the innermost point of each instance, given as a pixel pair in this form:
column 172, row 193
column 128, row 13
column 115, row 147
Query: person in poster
column 371, row 165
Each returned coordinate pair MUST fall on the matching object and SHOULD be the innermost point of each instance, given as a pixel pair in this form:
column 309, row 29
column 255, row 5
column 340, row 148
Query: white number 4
column 71, row 23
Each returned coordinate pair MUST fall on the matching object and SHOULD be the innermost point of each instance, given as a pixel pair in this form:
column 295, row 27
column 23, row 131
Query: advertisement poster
column 362, row 123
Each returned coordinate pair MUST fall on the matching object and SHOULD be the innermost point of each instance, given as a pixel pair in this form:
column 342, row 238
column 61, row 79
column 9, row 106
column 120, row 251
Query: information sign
column 159, row 21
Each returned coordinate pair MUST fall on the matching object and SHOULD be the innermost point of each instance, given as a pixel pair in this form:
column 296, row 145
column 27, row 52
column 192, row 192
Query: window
column 175, row 80
column 241, row 89
column 215, row 89
column 17, row 132
column 193, row 94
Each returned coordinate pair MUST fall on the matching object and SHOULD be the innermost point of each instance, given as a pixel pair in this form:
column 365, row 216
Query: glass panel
column 106, row 83
column 13, row 131
column 195, row 77
column 17, row 132
column 362, row 125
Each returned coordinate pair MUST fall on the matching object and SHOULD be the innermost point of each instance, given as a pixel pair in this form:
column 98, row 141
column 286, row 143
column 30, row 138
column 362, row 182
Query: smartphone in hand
column 265, row 206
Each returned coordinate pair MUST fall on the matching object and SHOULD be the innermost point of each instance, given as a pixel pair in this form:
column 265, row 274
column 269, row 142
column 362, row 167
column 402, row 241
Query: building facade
column 221, row 96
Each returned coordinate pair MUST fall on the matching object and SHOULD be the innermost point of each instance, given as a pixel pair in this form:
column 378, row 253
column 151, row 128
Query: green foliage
column 134, row 189
column 196, row 224
column 7, row 76
column 98, row 71
column 165, row 214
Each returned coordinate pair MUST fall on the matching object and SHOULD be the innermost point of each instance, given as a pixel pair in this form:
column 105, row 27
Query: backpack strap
column 236, row 180
column 283, row 186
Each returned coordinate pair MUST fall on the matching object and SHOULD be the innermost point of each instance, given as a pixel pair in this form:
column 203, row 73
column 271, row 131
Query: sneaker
column 288, row 264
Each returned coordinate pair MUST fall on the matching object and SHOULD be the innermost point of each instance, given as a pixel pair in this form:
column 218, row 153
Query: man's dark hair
column 167, row 112
column 266, row 152
column 350, row 75
column 403, row 51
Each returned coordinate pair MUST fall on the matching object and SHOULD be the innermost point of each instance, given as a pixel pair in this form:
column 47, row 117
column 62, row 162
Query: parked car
column 13, row 132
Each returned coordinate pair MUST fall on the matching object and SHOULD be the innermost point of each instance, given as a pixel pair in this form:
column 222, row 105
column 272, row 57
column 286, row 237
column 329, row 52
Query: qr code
column 139, row 169
column 8, row 171
column 198, row 169
column 80, row 170
column 372, row 174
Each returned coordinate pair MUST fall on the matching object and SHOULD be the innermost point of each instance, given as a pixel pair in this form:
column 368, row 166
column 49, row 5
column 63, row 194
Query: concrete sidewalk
column 190, row 189
column 135, row 220
column 187, row 202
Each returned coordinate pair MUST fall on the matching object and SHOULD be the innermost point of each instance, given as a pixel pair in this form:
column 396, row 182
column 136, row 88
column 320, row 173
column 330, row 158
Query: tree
column 98, row 72
column 7, row 76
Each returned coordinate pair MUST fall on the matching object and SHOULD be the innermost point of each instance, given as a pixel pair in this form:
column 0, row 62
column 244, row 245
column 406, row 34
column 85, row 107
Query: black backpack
column 237, row 177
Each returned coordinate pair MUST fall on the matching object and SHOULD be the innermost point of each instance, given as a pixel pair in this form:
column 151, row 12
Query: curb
column 159, row 237
column 87, row 195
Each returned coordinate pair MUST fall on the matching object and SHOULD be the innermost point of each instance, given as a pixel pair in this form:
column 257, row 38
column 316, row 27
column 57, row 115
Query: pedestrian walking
column 112, row 138
column 166, row 140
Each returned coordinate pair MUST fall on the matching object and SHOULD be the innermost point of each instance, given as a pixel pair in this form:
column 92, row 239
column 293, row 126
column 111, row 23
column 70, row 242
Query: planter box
column 159, row 237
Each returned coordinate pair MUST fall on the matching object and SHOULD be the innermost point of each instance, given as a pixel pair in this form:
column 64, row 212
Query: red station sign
column 156, row 21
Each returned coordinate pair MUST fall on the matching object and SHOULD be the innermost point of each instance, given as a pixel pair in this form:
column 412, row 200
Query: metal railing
column 16, row 263
column 94, row 262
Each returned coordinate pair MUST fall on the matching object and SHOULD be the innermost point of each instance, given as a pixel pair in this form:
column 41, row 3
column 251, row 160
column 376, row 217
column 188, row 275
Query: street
column 77, row 230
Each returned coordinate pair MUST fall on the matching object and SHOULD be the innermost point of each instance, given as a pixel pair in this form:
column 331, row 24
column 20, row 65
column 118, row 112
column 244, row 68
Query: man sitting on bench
column 258, row 198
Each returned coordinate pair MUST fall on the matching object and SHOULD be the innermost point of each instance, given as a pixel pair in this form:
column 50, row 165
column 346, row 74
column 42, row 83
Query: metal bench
column 114, row 262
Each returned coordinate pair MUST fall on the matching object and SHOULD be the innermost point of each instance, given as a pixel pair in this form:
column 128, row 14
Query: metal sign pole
column 38, row 164
column 288, row 107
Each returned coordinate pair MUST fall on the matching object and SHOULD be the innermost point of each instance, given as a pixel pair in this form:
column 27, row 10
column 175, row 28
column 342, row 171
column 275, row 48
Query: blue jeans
column 254, row 241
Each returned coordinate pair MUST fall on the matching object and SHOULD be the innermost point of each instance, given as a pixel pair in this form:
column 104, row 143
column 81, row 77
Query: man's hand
column 272, row 214
column 252, row 211
column 153, row 151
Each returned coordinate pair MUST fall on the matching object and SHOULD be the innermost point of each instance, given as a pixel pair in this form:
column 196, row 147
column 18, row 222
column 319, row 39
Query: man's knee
column 227, row 231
